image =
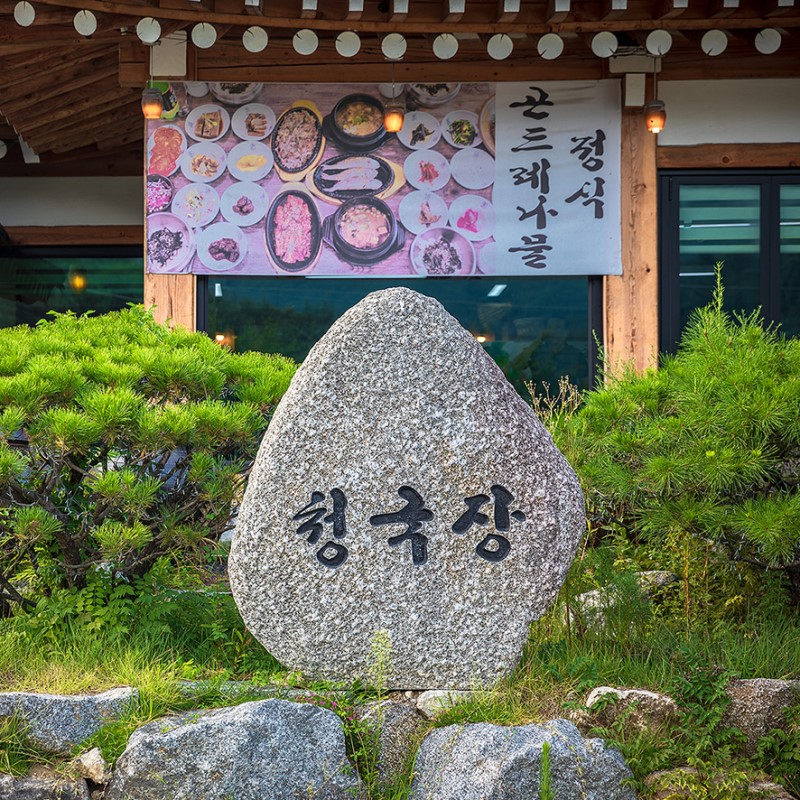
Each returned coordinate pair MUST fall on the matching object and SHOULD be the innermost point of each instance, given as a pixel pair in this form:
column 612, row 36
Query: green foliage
column 546, row 791
column 120, row 441
column 699, row 461
column 779, row 751
column 17, row 754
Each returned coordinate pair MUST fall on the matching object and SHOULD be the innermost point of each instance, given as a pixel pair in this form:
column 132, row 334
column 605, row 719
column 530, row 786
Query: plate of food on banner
column 487, row 124
column 244, row 203
column 170, row 243
column 420, row 211
column 166, row 145
column 472, row 216
column 441, row 252
column 420, row 130
column 473, row 168
column 344, row 177
column 297, row 142
column 253, row 122
column 207, row 123
column 293, row 231
column 250, row 161
column 203, row 162
column 460, row 129
column 356, row 124
column 196, row 204
column 432, row 95
column 428, row 170
column 235, row 94
column 221, row 246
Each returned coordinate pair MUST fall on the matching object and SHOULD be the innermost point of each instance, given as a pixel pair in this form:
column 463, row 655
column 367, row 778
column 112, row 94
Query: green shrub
column 120, row 441
column 700, row 460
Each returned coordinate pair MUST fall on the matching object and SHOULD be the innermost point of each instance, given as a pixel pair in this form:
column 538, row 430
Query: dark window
column 35, row 280
column 536, row 329
column 748, row 220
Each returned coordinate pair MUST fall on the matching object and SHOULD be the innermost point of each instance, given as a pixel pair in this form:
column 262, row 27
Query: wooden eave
column 75, row 99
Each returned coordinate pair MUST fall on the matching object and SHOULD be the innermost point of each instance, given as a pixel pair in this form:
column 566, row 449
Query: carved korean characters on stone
column 403, row 485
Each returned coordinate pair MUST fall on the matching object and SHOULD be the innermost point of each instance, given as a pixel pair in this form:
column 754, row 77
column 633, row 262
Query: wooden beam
column 355, row 9
column 399, row 10
column 779, row 8
column 453, row 10
column 507, row 10
column 173, row 299
column 723, row 8
column 557, row 10
column 667, row 9
column 614, row 9
column 308, row 9
column 733, row 156
column 76, row 234
column 631, row 299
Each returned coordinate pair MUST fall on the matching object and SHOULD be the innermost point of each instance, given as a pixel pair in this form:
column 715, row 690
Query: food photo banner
column 482, row 179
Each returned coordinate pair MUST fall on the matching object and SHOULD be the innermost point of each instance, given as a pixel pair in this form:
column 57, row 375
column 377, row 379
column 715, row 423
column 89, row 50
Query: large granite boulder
column 474, row 762
column 42, row 788
column 266, row 749
column 403, row 486
column 57, row 723
column 758, row 705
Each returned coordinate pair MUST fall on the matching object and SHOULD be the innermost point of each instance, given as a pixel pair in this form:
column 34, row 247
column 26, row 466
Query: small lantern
column 152, row 103
column 655, row 116
column 393, row 116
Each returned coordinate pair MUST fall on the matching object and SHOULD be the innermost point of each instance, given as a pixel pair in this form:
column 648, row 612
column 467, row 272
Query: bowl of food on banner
column 363, row 231
column 441, row 252
column 293, row 231
column 356, row 123
column 159, row 193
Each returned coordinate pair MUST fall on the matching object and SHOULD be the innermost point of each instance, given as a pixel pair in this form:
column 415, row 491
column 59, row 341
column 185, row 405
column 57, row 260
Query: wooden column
column 173, row 298
column 630, row 300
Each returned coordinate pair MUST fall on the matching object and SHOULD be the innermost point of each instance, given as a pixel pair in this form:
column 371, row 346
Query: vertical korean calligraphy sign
column 558, row 178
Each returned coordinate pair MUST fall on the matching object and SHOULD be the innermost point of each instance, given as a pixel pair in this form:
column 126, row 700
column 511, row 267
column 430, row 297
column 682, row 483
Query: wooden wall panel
column 173, row 298
column 732, row 156
column 631, row 299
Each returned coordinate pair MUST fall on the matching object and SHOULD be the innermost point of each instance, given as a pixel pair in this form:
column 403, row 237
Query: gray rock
column 430, row 703
column 757, row 706
column 638, row 710
column 266, row 749
column 42, row 789
column 475, row 762
column 92, row 766
column 397, row 729
column 57, row 723
column 397, row 410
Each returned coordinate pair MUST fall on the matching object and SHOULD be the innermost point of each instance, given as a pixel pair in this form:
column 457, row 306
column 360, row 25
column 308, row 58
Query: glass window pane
column 719, row 223
column 536, row 329
column 790, row 259
column 32, row 286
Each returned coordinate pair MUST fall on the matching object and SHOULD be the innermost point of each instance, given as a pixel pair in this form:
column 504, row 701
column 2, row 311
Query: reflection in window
column 790, row 259
column 33, row 282
column 535, row 329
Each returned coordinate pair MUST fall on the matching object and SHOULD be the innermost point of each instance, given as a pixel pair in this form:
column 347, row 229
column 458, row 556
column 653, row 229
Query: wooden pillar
column 630, row 300
column 173, row 298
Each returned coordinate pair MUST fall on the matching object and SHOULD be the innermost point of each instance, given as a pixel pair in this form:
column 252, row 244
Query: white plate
column 411, row 208
column 455, row 117
column 250, row 161
column 196, row 204
column 462, row 246
column 415, row 170
column 179, row 260
column 239, row 126
column 411, row 122
column 203, row 162
column 432, row 95
column 151, row 143
column 207, row 108
column 247, row 191
column 215, row 233
column 472, row 216
column 472, row 168
column 245, row 92
column 487, row 258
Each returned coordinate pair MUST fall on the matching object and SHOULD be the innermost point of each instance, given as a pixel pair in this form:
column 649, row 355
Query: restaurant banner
column 482, row 179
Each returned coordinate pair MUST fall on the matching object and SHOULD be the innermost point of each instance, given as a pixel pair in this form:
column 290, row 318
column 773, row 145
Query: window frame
column 769, row 182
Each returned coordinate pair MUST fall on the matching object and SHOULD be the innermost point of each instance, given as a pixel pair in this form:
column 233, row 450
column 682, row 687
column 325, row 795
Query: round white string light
column 768, row 41
column 550, row 46
column 305, row 42
column 348, row 43
column 204, row 35
column 500, row 46
column 714, row 42
column 85, row 23
column 24, row 14
column 604, row 44
column 445, row 46
column 658, row 43
column 394, row 46
column 3, row 149
column 255, row 39
column 148, row 30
